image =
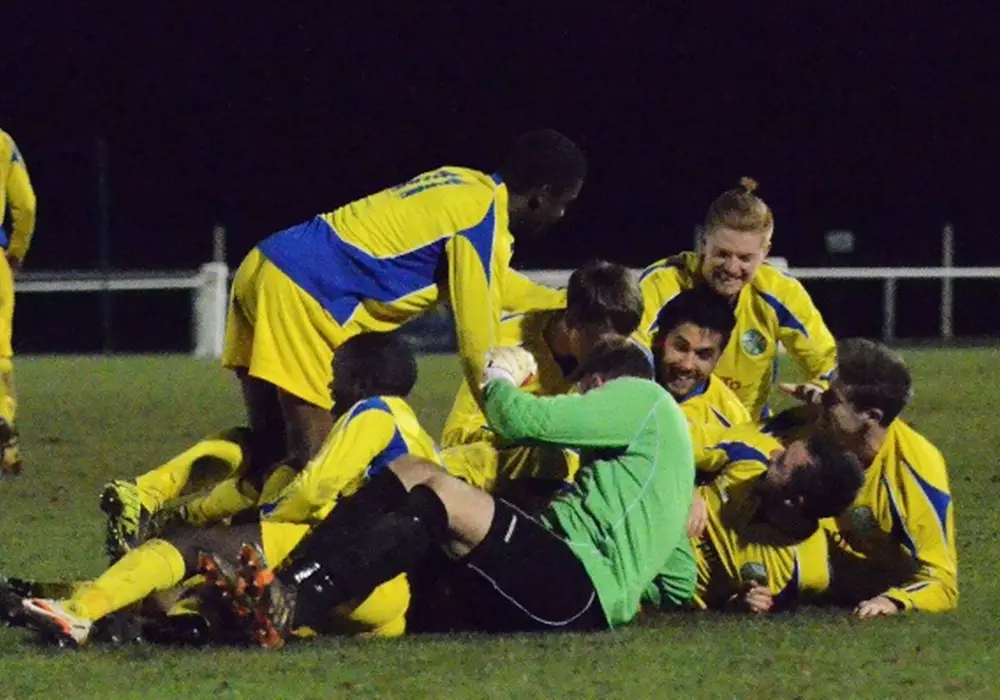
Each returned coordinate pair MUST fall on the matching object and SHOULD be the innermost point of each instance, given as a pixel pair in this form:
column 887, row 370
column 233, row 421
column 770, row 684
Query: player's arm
column 928, row 525
column 726, row 451
column 659, row 284
column 674, row 586
column 520, row 294
column 343, row 459
column 478, row 260
column 23, row 206
column 803, row 332
column 605, row 417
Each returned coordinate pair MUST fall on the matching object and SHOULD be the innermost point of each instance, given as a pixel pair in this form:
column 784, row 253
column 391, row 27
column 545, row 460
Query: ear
column 875, row 415
column 538, row 196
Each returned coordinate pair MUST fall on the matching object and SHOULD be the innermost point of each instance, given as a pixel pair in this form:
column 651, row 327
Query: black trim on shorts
column 524, row 578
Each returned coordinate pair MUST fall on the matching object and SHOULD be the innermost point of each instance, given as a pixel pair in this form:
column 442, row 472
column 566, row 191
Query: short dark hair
column 605, row 296
column 873, row 377
column 830, row 483
column 701, row 307
column 543, row 158
column 377, row 364
column 612, row 358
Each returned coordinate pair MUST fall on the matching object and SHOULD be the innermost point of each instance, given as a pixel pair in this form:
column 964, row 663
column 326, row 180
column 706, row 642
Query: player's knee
column 412, row 470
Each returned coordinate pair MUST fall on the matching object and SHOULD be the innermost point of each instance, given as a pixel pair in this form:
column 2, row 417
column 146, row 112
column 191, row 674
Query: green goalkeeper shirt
column 626, row 515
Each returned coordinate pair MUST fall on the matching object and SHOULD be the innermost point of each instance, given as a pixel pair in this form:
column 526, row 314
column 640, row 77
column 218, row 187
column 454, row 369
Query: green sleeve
column 610, row 416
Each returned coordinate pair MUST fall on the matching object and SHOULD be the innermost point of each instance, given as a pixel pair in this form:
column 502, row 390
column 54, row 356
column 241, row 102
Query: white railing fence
column 209, row 287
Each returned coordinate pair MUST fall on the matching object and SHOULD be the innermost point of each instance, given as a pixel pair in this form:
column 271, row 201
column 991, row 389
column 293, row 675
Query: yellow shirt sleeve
column 521, row 295
column 478, row 262
column 803, row 332
column 23, row 205
column 343, row 459
column 923, row 508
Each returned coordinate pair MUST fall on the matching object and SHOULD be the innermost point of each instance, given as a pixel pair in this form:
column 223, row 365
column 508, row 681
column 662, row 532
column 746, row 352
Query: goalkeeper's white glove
column 510, row 363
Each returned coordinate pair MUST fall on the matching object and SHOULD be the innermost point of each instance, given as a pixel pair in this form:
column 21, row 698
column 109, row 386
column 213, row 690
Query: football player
column 897, row 541
column 374, row 374
column 761, row 549
column 770, row 307
column 602, row 302
column 370, row 266
column 17, row 193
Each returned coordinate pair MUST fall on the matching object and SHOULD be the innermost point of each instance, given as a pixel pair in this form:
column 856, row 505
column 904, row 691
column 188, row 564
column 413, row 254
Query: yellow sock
column 224, row 500
column 154, row 566
column 188, row 605
column 200, row 466
column 381, row 614
column 8, row 397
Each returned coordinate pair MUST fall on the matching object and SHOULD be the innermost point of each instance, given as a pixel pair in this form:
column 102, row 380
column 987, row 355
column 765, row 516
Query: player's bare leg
column 267, row 427
column 306, row 426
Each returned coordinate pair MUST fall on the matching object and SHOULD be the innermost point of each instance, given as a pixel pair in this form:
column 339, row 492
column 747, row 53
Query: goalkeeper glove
column 510, row 363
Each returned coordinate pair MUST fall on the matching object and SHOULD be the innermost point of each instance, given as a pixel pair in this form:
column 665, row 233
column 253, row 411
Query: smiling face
column 731, row 258
column 687, row 357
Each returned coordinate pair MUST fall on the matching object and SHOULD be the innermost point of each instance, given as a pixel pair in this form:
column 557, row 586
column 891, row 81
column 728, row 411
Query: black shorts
column 523, row 578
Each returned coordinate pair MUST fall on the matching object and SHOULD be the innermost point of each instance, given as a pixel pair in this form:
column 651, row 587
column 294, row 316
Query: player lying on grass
column 770, row 307
column 897, row 541
column 602, row 302
column 370, row 266
column 581, row 565
column 760, row 548
column 374, row 374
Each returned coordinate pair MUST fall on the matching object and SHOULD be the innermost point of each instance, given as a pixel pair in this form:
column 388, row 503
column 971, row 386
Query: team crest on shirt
column 754, row 571
column 863, row 519
column 753, row 342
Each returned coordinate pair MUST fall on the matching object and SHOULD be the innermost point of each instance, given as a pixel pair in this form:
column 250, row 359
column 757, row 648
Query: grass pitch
column 86, row 420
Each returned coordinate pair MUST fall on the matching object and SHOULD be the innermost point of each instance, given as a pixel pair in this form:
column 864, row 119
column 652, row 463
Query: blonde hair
column 739, row 209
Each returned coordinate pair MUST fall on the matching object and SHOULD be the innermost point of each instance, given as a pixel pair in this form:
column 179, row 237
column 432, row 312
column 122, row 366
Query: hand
column 754, row 597
column 698, row 518
column 510, row 363
column 879, row 605
column 15, row 263
column 758, row 599
column 806, row 393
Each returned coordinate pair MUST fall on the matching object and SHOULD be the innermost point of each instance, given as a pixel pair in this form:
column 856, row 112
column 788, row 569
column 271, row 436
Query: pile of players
column 610, row 453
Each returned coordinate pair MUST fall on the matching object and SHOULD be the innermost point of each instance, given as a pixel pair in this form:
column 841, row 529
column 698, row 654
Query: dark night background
column 882, row 121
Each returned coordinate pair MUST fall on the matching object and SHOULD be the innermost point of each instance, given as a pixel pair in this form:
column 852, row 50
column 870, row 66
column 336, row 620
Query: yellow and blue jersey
column 710, row 409
column 521, row 295
column 772, row 308
column 376, row 263
column 731, row 451
column 17, row 194
column 364, row 441
column 466, row 423
column 737, row 546
column 900, row 529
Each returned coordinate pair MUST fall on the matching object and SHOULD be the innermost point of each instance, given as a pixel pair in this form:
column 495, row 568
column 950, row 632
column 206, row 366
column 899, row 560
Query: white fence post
column 211, row 300
column 888, row 309
column 947, row 284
